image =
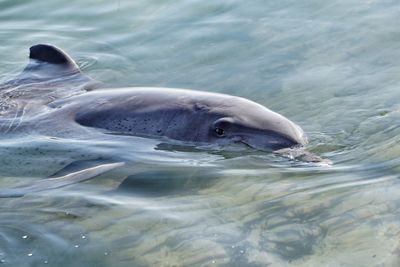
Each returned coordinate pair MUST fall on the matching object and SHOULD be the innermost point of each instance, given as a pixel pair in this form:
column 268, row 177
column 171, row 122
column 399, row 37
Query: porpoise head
column 256, row 126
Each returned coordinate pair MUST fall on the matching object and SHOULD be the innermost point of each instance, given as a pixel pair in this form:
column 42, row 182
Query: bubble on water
column 24, row 237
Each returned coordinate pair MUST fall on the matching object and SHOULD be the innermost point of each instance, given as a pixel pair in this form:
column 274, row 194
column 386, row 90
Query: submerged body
column 52, row 97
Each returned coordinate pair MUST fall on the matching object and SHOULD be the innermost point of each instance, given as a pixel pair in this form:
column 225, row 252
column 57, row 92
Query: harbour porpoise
column 53, row 96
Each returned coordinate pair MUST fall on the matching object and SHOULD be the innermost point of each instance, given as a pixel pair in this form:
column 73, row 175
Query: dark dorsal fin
column 53, row 69
column 45, row 54
column 48, row 62
column 50, row 54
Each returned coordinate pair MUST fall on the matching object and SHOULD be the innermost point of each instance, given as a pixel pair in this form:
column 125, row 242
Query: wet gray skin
column 185, row 115
column 41, row 101
column 53, row 98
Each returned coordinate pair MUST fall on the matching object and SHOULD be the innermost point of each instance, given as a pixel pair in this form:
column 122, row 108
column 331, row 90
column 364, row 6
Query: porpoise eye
column 219, row 131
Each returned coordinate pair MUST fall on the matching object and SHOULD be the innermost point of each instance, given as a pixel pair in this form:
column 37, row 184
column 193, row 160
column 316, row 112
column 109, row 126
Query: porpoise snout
column 298, row 135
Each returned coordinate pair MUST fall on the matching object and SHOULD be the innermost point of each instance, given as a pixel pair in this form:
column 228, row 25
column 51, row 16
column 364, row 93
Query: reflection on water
column 331, row 67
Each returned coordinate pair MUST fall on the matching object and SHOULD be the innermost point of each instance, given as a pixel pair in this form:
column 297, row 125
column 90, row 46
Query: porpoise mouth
column 272, row 141
column 279, row 142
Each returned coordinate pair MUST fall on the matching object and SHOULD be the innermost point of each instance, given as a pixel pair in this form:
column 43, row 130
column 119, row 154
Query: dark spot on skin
column 199, row 107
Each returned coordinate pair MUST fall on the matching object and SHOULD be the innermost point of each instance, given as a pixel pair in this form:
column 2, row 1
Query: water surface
column 331, row 67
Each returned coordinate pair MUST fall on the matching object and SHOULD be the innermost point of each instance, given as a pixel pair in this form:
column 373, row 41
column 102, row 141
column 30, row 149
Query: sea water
column 333, row 67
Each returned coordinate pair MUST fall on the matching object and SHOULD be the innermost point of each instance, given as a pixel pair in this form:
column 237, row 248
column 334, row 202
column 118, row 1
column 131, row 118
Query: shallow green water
column 333, row 68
